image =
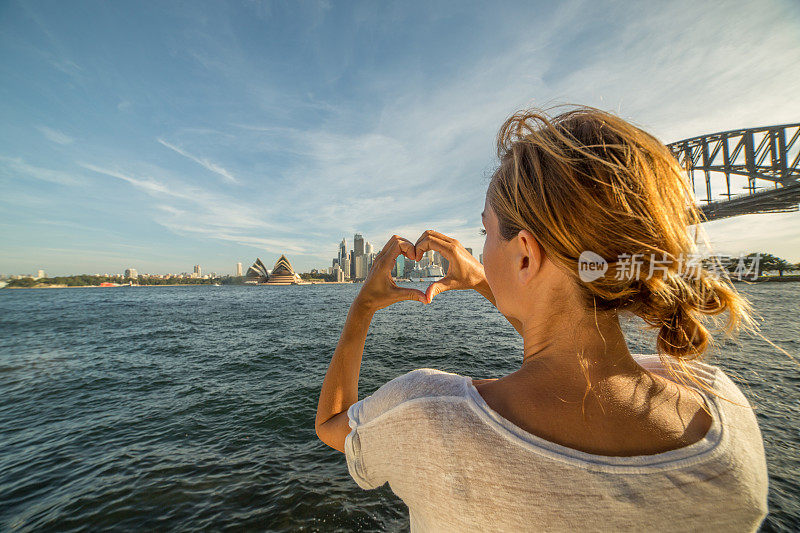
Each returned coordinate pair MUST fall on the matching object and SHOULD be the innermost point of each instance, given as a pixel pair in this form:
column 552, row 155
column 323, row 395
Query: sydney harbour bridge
column 745, row 171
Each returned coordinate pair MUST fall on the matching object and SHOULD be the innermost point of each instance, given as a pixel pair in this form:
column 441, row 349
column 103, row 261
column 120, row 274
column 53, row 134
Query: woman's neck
column 576, row 343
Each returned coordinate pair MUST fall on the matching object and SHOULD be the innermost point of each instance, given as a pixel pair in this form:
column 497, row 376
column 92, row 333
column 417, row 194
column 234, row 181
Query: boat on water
column 428, row 273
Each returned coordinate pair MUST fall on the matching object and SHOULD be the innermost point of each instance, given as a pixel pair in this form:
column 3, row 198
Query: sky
column 160, row 135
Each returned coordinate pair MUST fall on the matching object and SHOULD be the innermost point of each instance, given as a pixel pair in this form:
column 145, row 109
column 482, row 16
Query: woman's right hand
column 464, row 271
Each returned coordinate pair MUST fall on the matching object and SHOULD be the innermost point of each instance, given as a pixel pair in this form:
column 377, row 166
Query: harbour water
column 145, row 408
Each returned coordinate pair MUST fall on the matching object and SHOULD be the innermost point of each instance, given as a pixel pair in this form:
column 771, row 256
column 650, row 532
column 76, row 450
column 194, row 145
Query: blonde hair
column 586, row 180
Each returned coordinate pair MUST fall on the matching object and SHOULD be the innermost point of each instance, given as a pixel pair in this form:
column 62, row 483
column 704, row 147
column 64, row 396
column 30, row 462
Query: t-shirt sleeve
column 355, row 454
column 364, row 454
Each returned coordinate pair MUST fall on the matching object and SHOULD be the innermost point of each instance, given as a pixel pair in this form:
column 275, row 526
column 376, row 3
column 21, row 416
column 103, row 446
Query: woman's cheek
column 492, row 275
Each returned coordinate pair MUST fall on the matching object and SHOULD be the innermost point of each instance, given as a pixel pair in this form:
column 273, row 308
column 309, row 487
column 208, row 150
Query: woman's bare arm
column 340, row 386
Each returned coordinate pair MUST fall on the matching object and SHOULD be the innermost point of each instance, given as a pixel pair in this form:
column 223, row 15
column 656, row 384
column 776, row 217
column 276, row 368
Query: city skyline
column 156, row 137
column 237, row 270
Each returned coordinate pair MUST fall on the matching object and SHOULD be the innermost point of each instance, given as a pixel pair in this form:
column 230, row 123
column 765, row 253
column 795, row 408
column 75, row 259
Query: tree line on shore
column 87, row 280
column 767, row 263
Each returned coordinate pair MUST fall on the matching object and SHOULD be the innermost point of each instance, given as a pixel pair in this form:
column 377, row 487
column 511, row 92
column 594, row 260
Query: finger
column 405, row 293
column 438, row 287
column 392, row 242
column 389, row 244
column 443, row 237
column 431, row 242
column 394, row 247
column 424, row 235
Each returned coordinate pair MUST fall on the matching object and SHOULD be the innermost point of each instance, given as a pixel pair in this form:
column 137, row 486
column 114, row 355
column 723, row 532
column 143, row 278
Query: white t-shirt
column 460, row 466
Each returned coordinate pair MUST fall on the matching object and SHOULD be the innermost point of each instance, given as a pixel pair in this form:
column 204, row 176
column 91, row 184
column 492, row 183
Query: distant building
column 239, row 269
column 257, row 273
column 352, row 269
column 131, row 273
column 198, row 271
column 400, row 266
column 342, row 252
column 358, row 244
column 338, row 272
column 40, row 274
column 410, row 265
column 360, row 267
column 432, row 272
column 346, row 267
column 427, row 259
column 283, row 273
column 368, row 248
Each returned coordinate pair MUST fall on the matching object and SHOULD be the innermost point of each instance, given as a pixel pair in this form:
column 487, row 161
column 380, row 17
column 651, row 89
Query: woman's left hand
column 379, row 288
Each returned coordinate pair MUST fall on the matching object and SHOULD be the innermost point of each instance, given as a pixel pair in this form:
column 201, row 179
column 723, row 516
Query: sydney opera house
column 281, row 274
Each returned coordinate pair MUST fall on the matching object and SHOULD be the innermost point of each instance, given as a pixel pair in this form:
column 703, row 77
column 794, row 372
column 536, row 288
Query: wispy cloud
column 209, row 165
column 16, row 167
column 195, row 211
column 55, row 135
column 150, row 186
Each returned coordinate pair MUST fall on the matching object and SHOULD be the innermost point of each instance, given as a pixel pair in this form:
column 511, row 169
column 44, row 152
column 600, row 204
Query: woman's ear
column 530, row 256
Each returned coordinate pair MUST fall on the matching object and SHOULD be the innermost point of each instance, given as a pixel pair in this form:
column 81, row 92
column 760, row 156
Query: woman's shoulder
column 423, row 382
column 413, row 385
column 700, row 375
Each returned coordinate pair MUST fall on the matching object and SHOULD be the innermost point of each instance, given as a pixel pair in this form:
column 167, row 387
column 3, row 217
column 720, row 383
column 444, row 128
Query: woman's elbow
column 330, row 434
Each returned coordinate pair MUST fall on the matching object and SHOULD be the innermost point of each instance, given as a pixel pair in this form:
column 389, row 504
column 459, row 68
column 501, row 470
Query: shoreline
column 167, row 285
column 763, row 279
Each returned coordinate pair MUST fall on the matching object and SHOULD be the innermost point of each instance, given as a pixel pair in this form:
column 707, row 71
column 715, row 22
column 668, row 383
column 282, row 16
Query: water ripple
column 193, row 407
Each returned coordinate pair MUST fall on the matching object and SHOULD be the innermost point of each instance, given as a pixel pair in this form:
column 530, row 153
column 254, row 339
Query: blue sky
column 159, row 135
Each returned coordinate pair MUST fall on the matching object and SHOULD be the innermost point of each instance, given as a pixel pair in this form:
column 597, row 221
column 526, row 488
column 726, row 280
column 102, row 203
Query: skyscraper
column 400, row 264
column 360, row 267
column 358, row 244
column 342, row 251
column 410, row 265
column 239, row 269
column 368, row 248
column 346, row 266
column 131, row 273
column 337, row 271
column 197, row 270
column 357, row 258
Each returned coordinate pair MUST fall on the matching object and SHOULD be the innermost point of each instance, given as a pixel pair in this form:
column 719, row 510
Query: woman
column 586, row 217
